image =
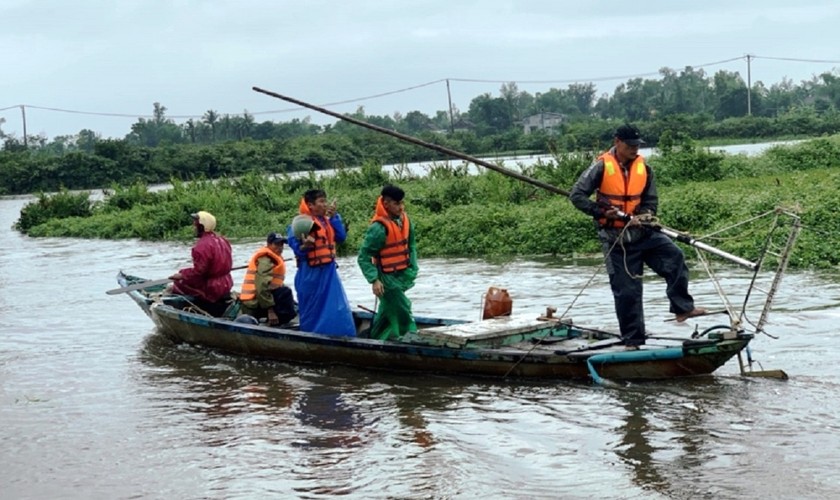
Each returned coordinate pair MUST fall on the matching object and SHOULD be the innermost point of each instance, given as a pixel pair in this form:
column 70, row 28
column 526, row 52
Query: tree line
column 678, row 104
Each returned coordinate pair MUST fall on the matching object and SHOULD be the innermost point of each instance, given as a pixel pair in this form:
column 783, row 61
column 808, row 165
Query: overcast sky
column 121, row 56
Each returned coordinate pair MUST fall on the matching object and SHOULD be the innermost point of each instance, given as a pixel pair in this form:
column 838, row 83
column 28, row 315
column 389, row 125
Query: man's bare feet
column 697, row 311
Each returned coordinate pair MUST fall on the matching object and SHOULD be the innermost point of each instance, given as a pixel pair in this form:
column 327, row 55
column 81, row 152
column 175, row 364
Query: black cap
column 629, row 135
column 275, row 238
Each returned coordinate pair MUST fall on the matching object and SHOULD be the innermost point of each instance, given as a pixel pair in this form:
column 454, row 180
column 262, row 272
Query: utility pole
column 749, row 86
column 451, row 117
column 23, row 112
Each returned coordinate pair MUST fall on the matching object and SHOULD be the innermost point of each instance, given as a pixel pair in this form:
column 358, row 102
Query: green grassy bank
column 457, row 214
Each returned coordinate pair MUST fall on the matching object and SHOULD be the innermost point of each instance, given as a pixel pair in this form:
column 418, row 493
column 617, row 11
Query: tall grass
column 457, row 214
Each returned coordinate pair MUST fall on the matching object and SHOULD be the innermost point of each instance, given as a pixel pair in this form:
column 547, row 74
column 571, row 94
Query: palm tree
column 190, row 128
column 247, row 124
column 211, row 117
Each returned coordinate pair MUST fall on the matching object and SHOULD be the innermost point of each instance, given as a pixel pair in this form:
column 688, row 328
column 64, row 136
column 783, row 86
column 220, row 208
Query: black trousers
column 627, row 260
column 284, row 306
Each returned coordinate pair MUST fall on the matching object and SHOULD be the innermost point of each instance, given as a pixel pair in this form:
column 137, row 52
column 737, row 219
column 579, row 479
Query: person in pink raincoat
column 208, row 282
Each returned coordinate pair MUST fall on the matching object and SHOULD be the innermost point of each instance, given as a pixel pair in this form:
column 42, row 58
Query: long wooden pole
column 414, row 140
column 671, row 233
column 150, row 283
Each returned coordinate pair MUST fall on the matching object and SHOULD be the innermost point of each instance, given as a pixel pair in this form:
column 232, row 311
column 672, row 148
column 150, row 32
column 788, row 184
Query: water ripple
column 95, row 404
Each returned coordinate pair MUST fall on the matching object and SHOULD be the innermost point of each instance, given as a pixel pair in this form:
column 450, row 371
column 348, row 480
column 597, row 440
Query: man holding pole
column 626, row 192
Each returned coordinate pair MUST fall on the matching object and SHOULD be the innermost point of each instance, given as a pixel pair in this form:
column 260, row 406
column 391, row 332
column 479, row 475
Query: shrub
column 56, row 206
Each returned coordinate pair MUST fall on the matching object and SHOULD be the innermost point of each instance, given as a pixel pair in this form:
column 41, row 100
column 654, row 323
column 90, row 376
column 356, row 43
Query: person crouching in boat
column 322, row 304
column 263, row 294
column 388, row 260
column 208, row 281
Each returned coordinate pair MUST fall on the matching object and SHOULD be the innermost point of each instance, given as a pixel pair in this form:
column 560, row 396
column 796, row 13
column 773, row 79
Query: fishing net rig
column 778, row 244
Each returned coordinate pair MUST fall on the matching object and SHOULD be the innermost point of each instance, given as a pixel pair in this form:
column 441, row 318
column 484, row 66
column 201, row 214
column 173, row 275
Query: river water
column 521, row 161
column 95, row 404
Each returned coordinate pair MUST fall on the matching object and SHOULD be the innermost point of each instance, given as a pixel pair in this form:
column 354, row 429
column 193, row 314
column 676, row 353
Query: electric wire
column 418, row 86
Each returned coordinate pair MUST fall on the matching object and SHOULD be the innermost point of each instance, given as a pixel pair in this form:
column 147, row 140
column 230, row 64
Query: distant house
column 542, row 121
column 463, row 125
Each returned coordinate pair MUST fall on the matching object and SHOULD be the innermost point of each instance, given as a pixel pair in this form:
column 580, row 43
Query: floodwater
column 95, row 404
column 519, row 162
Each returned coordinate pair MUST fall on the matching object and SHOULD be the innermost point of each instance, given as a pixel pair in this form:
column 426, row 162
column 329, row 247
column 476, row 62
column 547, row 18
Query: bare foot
column 697, row 311
column 631, row 348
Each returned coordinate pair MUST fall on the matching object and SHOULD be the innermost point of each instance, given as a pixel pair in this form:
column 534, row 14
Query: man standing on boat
column 625, row 184
column 264, row 294
column 208, row 281
column 388, row 259
column 322, row 304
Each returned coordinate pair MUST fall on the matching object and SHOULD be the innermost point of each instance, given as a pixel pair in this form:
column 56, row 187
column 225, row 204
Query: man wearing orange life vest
column 388, row 260
column 624, row 183
column 322, row 304
column 263, row 293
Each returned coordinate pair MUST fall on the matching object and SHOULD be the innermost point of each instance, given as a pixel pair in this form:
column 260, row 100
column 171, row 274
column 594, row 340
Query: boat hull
column 293, row 346
column 516, row 350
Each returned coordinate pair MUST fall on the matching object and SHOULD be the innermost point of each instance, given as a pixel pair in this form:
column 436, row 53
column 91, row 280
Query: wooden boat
column 499, row 347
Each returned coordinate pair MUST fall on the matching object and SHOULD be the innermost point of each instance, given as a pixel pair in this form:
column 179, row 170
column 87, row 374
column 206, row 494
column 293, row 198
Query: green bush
column 681, row 160
column 458, row 214
column 58, row 206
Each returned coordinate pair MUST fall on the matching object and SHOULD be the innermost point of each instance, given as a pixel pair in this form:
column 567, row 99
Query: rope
column 160, row 296
column 651, row 220
column 195, row 308
column 574, row 300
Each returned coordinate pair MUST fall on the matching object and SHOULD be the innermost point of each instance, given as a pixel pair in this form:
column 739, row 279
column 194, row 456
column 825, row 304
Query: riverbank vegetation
column 684, row 104
column 461, row 215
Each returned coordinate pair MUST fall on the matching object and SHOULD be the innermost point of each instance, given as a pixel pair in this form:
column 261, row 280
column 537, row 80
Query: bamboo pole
column 671, row 233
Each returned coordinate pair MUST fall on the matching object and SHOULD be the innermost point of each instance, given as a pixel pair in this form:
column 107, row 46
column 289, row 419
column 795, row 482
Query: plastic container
column 497, row 302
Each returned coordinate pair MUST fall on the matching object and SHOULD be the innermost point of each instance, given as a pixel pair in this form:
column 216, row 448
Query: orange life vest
column 323, row 250
column 622, row 193
column 395, row 255
column 278, row 274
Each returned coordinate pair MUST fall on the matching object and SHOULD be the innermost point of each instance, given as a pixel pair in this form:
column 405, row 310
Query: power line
column 73, row 111
column 126, row 115
column 598, row 79
column 797, row 60
column 358, row 99
column 414, row 87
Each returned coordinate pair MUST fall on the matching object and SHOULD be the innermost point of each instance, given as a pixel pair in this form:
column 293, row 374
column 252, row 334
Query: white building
column 542, row 121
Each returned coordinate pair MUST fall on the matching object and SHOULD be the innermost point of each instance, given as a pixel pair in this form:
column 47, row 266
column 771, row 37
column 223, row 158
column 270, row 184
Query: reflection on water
column 635, row 449
column 321, row 418
column 95, row 404
column 664, row 435
column 333, row 420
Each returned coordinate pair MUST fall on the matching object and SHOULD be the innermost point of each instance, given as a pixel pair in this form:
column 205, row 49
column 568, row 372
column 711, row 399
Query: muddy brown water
column 95, row 404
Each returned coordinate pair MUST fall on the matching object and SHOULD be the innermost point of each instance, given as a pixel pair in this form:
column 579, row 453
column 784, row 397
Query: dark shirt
column 590, row 181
